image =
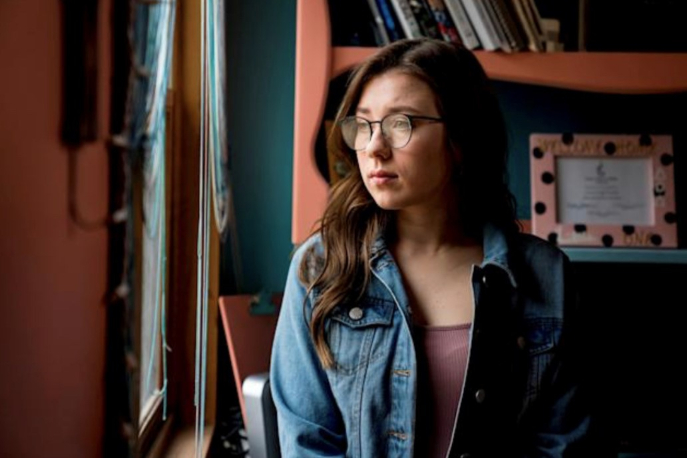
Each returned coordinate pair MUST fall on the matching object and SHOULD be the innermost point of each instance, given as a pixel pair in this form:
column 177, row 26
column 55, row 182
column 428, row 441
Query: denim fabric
column 523, row 395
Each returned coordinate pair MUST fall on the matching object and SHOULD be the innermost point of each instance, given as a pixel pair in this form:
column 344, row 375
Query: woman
column 418, row 321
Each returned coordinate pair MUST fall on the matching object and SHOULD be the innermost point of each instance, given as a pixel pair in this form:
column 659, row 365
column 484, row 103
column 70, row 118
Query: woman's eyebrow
column 393, row 109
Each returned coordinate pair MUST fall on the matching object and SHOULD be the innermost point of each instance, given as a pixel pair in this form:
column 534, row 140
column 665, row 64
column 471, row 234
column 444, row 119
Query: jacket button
column 465, row 455
column 485, row 282
column 355, row 313
column 480, row 395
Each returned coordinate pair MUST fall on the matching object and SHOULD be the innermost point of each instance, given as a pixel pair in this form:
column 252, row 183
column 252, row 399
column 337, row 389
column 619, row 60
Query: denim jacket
column 524, row 393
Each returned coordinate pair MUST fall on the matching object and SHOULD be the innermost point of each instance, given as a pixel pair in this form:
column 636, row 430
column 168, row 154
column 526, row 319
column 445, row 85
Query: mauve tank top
column 442, row 355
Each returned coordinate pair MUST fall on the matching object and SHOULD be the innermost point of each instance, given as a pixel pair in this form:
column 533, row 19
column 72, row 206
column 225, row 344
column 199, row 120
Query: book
column 460, row 18
column 444, row 23
column 406, row 18
column 382, row 35
column 480, row 20
column 393, row 27
column 532, row 40
column 499, row 27
column 535, row 21
column 424, row 18
column 507, row 18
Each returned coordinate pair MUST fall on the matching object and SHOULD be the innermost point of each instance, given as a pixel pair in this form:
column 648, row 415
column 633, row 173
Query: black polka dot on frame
column 629, row 230
column 567, row 138
column 580, row 228
column 540, row 208
column 553, row 238
column 644, row 140
column 547, row 177
column 666, row 159
column 537, row 153
column 656, row 240
column 607, row 240
column 610, row 148
column 670, row 218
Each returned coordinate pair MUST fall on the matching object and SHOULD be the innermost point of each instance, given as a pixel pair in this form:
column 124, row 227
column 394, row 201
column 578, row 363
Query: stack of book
column 490, row 25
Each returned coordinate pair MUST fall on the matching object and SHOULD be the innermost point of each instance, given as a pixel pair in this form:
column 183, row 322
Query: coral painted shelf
column 619, row 73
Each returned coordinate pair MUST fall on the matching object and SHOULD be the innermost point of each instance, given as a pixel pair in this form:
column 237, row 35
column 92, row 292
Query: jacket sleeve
column 308, row 418
column 564, row 422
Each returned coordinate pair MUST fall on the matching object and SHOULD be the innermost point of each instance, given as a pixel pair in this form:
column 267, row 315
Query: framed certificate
column 603, row 190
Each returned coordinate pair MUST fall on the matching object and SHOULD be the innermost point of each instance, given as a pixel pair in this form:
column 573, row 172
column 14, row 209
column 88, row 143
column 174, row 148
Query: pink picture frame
column 599, row 190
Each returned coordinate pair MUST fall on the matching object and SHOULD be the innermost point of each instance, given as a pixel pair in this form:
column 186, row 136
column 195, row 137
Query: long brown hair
column 352, row 220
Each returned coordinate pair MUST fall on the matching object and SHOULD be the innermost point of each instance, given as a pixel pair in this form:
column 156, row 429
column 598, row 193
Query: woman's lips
column 381, row 178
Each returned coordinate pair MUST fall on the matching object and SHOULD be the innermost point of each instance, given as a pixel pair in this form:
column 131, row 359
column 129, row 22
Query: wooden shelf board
column 619, row 73
column 627, row 255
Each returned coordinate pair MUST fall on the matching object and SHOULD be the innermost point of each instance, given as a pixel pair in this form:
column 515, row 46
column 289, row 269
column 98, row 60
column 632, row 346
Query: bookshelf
column 615, row 73
column 317, row 62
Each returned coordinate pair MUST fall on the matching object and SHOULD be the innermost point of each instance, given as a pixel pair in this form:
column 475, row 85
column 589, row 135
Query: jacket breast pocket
column 358, row 333
column 542, row 336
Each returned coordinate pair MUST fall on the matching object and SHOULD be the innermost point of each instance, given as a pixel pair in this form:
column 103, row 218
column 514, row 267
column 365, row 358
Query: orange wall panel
column 52, row 274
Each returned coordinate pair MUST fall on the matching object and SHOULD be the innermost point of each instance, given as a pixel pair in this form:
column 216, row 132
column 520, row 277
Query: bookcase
column 623, row 73
column 317, row 62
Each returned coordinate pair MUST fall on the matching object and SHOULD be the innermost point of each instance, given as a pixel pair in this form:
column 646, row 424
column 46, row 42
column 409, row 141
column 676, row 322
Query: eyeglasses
column 397, row 129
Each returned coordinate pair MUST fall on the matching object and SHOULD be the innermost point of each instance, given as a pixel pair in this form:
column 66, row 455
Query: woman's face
column 417, row 174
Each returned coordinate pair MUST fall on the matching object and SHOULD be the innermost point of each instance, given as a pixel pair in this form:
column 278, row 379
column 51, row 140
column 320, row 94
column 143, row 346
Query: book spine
column 480, row 20
column 535, row 21
column 393, row 28
column 532, row 41
column 511, row 31
column 444, row 23
column 514, row 24
column 424, row 18
column 501, row 37
column 383, row 37
column 405, row 16
column 462, row 22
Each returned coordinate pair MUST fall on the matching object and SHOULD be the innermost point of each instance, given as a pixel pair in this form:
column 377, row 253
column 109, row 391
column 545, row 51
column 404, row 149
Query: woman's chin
column 388, row 204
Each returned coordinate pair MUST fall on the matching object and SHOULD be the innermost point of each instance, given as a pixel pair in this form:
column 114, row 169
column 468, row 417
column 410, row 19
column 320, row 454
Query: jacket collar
column 494, row 245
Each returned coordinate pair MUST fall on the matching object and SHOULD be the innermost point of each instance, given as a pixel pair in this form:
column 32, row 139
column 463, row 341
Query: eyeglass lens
column 396, row 129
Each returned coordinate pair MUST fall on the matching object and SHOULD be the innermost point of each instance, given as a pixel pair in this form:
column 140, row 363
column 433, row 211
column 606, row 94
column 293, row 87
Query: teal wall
column 261, row 40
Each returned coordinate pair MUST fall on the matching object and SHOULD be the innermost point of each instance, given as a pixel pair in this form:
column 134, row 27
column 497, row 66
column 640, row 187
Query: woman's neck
column 423, row 231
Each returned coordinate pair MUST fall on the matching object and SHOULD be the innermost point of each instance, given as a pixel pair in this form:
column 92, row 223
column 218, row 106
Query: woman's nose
column 378, row 146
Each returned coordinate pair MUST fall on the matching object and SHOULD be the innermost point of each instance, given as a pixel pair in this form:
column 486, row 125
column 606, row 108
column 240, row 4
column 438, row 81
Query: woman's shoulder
column 537, row 250
column 544, row 275
column 310, row 251
column 313, row 244
column 535, row 261
column 312, row 247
